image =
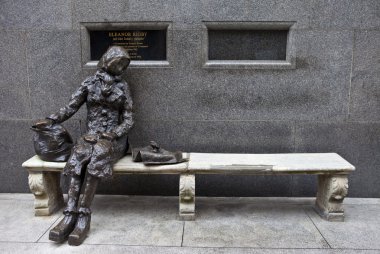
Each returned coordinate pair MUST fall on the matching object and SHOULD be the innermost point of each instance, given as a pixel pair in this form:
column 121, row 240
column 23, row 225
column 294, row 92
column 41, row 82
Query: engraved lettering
column 141, row 45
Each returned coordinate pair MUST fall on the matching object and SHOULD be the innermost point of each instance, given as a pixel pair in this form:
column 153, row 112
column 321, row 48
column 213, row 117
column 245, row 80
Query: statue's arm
column 127, row 122
column 76, row 101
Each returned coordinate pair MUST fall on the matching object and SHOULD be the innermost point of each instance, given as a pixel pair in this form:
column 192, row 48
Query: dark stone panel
column 153, row 91
column 240, row 95
column 187, row 50
column 227, row 11
column 342, row 14
column 246, row 10
column 243, row 186
column 366, row 52
column 272, row 10
column 99, row 11
column 206, row 185
column 304, row 185
column 216, row 136
column 36, row 14
column 365, row 90
column 365, row 96
column 184, row 13
column 150, row 185
column 54, row 69
column 357, row 142
column 329, row 50
column 14, row 92
column 15, row 147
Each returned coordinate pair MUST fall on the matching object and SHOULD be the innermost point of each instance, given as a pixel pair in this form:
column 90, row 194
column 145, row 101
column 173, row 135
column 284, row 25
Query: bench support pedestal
column 187, row 197
column 47, row 192
column 332, row 189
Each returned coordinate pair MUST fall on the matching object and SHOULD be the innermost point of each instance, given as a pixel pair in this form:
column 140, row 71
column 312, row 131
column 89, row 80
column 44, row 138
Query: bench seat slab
column 291, row 163
column 124, row 166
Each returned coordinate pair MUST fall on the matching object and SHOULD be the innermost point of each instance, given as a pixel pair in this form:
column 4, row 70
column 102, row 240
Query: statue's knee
column 80, row 156
column 81, row 151
column 102, row 148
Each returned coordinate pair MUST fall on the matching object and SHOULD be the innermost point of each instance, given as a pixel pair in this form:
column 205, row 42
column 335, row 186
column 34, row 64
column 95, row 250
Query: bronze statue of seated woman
column 109, row 118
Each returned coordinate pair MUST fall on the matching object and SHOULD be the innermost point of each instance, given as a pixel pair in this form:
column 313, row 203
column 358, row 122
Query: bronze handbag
column 52, row 142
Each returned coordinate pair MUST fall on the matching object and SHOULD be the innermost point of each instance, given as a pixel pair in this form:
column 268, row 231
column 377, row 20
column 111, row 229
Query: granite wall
column 329, row 103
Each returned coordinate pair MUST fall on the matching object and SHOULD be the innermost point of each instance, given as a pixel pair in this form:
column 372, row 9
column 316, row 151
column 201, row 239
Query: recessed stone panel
column 247, row 44
column 240, row 45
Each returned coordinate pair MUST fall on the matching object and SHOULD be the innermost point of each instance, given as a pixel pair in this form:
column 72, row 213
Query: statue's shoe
column 61, row 232
column 81, row 229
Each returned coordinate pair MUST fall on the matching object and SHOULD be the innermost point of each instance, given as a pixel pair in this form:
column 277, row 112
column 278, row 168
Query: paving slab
column 18, row 196
column 18, row 223
column 360, row 229
column 43, row 248
column 233, row 223
column 142, row 224
column 133, row 221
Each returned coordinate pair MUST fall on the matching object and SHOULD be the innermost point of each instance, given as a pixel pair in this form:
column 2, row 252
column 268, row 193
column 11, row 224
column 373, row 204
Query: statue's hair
column 111, row 53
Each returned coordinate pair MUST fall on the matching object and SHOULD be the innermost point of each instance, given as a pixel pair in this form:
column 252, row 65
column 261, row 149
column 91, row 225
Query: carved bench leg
column 187, row 197
column 47, row 192
column 332, row 189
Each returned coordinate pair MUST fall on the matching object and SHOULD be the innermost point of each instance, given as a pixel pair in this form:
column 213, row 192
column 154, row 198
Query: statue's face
column 117, row 65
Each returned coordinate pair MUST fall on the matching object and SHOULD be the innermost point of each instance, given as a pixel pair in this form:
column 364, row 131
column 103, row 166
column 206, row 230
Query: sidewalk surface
column 140, row 224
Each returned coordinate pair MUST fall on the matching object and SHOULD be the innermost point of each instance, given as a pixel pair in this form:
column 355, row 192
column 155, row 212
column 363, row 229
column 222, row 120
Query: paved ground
column 135, row 224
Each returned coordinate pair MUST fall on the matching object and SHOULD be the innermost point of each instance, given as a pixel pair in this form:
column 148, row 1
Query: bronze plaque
column 141, row 44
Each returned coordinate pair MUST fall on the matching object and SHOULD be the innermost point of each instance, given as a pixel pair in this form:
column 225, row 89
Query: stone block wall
column 329, row 103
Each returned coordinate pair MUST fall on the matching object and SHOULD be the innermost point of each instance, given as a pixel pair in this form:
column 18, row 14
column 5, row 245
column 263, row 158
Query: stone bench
column 332, row 171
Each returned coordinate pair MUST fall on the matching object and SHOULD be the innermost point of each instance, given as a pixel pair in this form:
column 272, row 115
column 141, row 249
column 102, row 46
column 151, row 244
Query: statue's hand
column 108, row 136
column 43, row 123
column 90, row 139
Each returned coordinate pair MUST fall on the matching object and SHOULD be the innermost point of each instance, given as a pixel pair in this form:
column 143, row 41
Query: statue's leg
column 60, row 232
column 74, row 167
column 74, row 193
column 82, row 225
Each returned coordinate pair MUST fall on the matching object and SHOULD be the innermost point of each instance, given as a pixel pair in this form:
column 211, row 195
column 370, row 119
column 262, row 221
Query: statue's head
column 115, row 61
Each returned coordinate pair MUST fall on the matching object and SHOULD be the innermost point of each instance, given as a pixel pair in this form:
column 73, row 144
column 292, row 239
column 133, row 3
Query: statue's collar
column 106, row 77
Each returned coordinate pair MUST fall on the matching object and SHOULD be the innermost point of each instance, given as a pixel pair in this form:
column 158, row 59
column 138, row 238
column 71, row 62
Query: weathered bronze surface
column 141, row 44
column 52, row 142
column 155, row 155
column 109, row 118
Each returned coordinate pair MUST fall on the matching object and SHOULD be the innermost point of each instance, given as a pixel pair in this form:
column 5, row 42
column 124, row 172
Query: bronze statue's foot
column 80, row 232
column 61, row 232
